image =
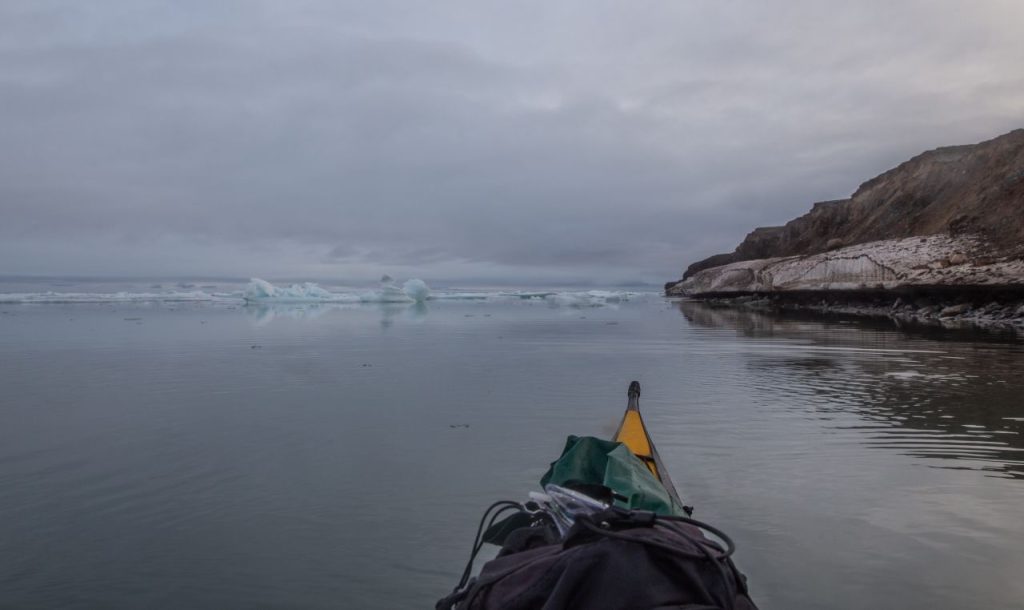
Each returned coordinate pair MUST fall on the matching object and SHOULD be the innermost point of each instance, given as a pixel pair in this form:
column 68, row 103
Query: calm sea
column 213, row 454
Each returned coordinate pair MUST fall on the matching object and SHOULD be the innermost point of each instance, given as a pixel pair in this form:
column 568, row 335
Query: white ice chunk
column 416, row 289
column 262, row 290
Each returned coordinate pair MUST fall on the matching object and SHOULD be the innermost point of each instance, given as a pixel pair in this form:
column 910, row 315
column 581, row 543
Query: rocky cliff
column 941, row 237
column 958, row 190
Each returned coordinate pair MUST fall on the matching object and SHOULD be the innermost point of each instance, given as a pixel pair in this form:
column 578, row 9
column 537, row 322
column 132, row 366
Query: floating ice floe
column 109, row 297
column 527, row 295
column 416, row 290
column 460, row 296
column 262, row 291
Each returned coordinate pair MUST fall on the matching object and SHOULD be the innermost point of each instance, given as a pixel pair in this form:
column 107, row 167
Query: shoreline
column 979, row 307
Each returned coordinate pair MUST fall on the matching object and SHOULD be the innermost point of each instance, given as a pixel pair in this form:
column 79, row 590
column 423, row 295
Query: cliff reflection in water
column 953, row 399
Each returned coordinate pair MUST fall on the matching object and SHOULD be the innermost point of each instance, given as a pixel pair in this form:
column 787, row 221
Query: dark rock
column 954, row 310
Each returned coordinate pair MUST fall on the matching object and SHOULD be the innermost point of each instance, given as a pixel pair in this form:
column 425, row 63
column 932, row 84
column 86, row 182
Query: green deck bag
column 593, row 461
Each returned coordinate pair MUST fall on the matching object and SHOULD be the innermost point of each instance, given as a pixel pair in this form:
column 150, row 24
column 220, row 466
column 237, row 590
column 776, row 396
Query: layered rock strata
column 940, row 238
column 932, row 261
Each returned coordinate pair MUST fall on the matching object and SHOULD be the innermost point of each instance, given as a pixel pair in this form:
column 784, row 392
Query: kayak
column 608, row 507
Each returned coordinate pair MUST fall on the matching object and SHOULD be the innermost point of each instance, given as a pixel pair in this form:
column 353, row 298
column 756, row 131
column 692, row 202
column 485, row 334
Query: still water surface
column 198, row 455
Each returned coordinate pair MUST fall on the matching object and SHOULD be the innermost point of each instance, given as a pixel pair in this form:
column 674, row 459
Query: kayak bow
column 633, row 434
column 602, row 513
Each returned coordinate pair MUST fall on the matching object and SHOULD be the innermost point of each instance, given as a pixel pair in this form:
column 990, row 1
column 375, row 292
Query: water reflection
column 142, row 459
column 265, row 313
column 955, row 402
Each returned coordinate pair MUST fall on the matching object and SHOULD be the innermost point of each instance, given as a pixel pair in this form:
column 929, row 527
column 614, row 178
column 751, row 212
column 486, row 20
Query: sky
column 580, row 141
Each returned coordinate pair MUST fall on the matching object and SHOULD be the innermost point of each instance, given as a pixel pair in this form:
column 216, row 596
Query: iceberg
column 262, row 291
column 416, row 289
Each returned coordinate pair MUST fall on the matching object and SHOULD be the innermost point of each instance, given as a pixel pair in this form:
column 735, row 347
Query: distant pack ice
column 262, row 292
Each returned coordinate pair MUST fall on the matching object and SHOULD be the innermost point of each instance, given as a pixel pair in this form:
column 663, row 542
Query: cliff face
column 936, row 261
column 975, row 190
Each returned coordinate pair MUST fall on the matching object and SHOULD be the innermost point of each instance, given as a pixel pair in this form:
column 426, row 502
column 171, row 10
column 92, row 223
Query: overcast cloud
column 513, row 141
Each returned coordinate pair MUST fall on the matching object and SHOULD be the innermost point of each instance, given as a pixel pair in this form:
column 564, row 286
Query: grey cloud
column 583, row 141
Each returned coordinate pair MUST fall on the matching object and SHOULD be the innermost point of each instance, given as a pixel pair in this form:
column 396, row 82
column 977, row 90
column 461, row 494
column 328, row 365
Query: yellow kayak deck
column 633, row 434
